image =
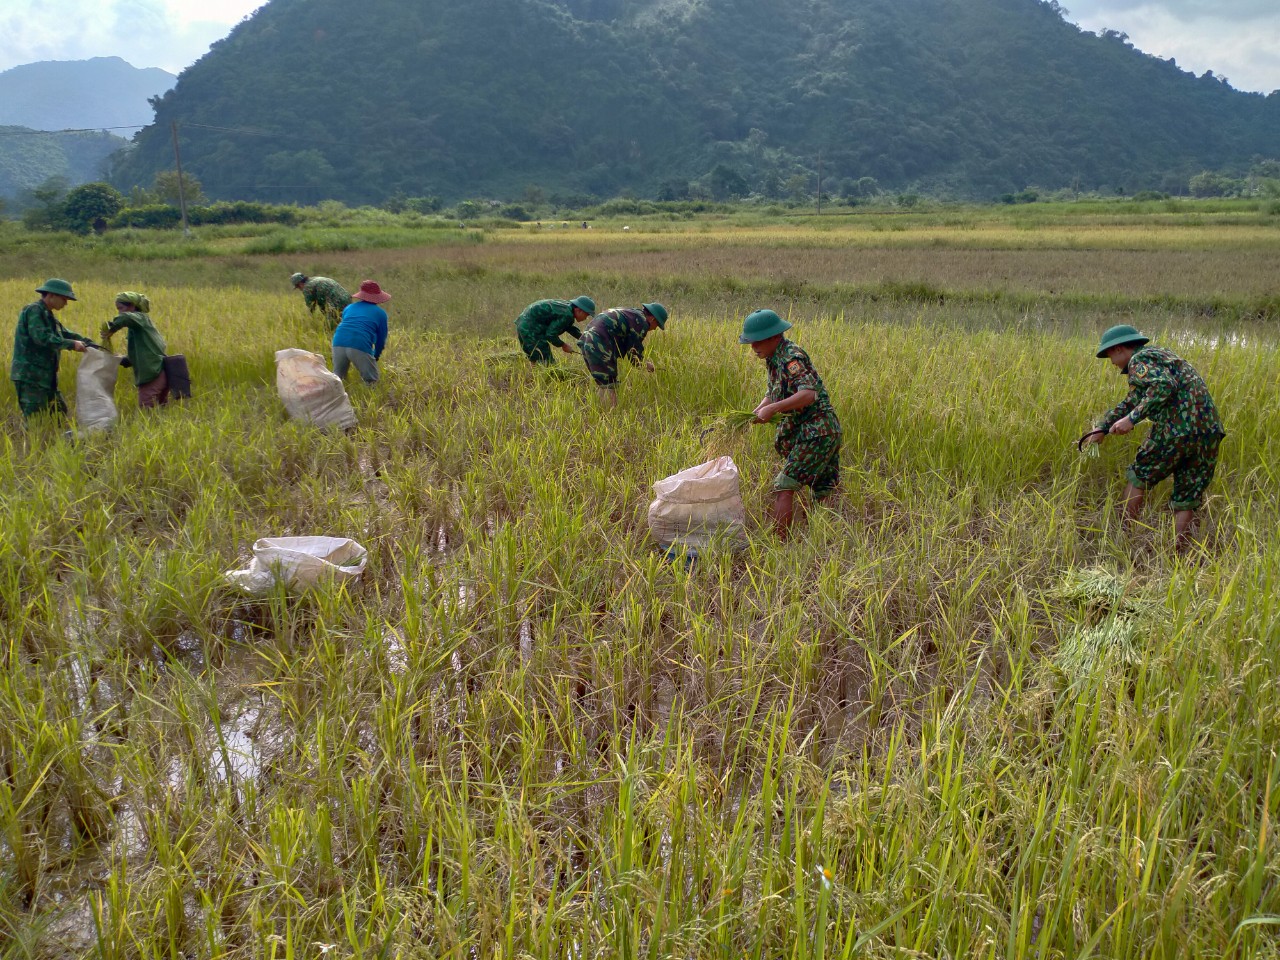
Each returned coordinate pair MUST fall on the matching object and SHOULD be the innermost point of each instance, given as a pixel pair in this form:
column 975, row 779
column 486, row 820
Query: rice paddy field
column 962, row 713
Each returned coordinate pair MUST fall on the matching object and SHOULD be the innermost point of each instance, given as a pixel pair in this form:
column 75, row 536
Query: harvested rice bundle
column 505, row 356
column 1115, row 640
column 571, row 373
column 722, row 433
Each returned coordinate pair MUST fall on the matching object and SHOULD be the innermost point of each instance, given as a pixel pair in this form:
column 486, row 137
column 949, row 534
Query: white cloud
column 1238, row 39
column 148, row 33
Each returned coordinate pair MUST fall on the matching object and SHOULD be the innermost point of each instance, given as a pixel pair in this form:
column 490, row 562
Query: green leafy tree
column 797, row 187
column 90, row 203
column 726, row 183
column 1210, row 184
column 165, row 188
column 45, row 208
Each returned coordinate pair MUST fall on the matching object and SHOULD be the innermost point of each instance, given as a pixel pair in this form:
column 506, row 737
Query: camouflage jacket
column 37, row 342
column 621, row 331
column 145, row 346
column 545, row 321
column 1166, row 390
column 790, row 371
column 326, row 295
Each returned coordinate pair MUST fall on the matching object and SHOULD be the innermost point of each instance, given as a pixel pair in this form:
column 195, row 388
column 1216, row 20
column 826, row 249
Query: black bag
column 175, row 369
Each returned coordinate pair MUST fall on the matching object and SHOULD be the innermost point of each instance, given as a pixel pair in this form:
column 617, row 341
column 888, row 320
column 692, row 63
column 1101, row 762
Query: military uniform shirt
column 145, row 348
column 326, row 295
column 790, row 371
column 545, row 321
column 37, row 341
column 1166, row 390
column 621, row 331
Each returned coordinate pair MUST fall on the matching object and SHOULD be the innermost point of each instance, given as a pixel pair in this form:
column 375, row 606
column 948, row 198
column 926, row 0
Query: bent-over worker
column 614, row 334
column 1185, row 427
column 542, row 323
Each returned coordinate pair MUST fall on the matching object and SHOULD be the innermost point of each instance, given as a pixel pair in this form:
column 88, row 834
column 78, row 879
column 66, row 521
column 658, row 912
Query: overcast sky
column 1238, row 39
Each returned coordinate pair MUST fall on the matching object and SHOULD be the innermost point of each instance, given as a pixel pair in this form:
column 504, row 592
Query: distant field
column 962, row 714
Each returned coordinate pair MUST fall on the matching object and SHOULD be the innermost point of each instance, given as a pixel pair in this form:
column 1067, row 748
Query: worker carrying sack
column 697, row 505
column 311, row 391
column 299, row 563
column 96, row 390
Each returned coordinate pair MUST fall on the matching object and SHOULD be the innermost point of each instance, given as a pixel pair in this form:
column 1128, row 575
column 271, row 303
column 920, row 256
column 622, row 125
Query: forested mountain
column 323, row 98
column 80, row 94
column 28, row 158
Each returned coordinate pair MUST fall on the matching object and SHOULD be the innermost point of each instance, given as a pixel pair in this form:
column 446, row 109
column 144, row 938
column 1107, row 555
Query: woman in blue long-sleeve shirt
column 362, row 334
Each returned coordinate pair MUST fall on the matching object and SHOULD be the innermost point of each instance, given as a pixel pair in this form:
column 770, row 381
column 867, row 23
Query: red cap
column 370, row 292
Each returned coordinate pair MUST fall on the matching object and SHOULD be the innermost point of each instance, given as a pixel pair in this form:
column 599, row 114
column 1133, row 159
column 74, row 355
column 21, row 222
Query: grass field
column 961, row 714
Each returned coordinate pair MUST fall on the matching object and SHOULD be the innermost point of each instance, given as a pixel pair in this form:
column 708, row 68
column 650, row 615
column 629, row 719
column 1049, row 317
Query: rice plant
column 964, row 712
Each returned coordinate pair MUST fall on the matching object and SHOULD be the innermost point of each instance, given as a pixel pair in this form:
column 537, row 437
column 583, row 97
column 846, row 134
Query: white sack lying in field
column 697, row 504
column 96, row 390
column 300, row 562
column 311, row 391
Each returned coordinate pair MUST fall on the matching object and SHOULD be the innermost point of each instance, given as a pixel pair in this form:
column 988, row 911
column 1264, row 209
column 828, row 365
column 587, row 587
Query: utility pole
column 182, row 192
column 819, row 183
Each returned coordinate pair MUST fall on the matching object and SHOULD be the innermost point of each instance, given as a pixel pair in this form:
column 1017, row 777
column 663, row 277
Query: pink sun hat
column 370, row 292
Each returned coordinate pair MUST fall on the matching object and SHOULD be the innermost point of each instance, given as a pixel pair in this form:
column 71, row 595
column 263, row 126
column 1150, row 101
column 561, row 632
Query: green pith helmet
column 659, row 313
column 60, row 287
column 762, row 325
column 585, row 304
column 1120, row 336
column 297, row 278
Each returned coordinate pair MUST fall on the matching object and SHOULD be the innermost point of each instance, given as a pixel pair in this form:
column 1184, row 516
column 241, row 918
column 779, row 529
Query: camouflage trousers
column 1191, row 460
column 813, row 463
column 601, row 361
column 34, row 398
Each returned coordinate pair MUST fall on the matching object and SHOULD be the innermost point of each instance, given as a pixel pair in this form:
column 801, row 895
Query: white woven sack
column 698, row 504
column 300, row 562
column 96, row 390
column 311, row 391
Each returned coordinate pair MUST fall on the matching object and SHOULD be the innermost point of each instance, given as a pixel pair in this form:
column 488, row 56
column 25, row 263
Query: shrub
column 243, row 211
column 514, row 211
column 155, row 216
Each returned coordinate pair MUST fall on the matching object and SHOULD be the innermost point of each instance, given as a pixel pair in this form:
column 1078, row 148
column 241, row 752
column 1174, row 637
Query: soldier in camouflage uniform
column 541, row 324
column 809, row 435
column 615, row 334
column 323, row 294
column 1185, row 433
column 37, row 343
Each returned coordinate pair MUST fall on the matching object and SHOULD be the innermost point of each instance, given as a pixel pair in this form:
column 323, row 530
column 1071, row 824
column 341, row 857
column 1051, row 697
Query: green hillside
column 318, row 98
column 28, row 157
